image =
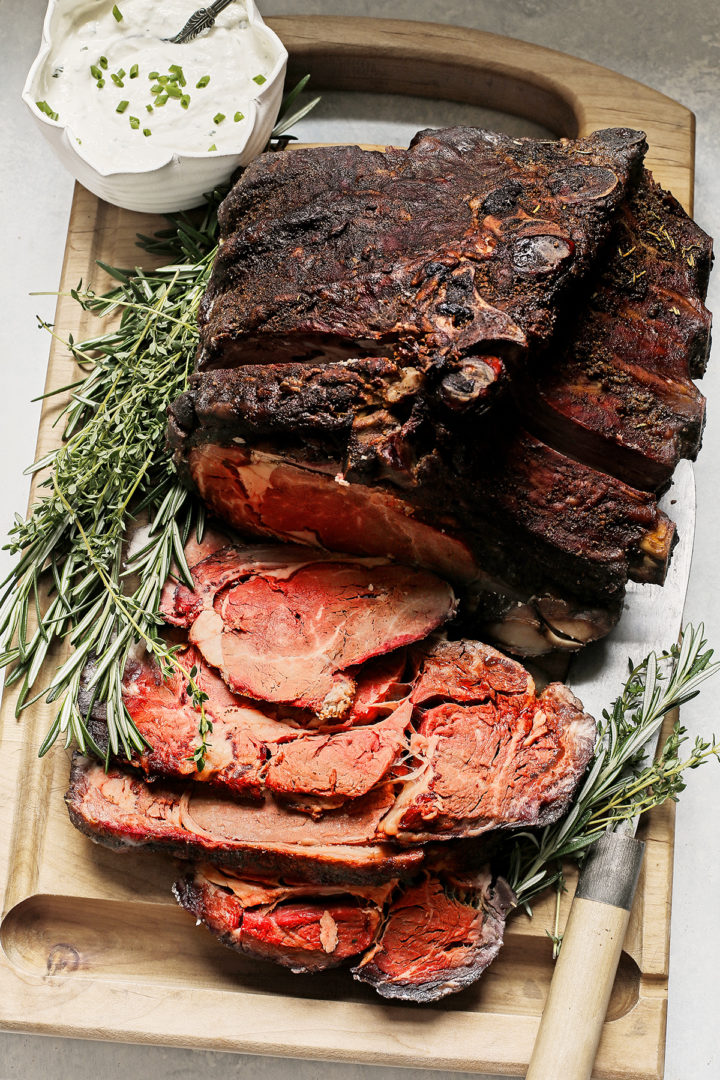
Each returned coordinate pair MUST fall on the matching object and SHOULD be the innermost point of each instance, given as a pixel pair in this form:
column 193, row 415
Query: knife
column 575, row 1010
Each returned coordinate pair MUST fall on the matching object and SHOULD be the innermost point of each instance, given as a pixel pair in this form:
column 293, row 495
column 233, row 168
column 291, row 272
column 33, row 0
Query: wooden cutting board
column 93, row 946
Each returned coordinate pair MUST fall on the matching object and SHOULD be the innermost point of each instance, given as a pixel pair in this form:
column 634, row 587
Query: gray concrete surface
column 671, row 45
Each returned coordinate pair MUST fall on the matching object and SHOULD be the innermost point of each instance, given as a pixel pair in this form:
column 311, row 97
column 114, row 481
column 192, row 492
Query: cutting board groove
column 92, row 944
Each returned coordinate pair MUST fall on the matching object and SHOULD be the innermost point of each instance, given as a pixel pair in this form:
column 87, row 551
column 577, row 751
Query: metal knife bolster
column 611, row 870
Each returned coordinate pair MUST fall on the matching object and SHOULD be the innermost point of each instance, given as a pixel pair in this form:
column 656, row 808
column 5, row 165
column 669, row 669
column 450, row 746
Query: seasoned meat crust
column 642, row 334
column 455, row 249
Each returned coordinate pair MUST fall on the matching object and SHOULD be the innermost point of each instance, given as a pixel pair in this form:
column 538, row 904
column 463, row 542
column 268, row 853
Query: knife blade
column 652, row 614
column 573, row 1017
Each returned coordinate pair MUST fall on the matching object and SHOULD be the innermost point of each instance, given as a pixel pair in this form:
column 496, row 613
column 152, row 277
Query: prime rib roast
column 438, row 393
column 475, row 355
column 501, row 513
column 453, row 252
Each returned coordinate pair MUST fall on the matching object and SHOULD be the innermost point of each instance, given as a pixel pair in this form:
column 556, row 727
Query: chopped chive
column 157, row 89
column 121, row 73
column 95, row 71
column 218, row 118
column 117, row 80
column 117, row 13
column 185, row 100
column 134, row 71
column 238, row 116
column 213, row 147
column 177, row 73
column 122, row 106
column 146, row 132
column 103, row 62
column 163, row 79
column 149, row 108
column 173, row 91
column 154, row 75
column 259, row 79
column 134, row 122
column 161, row 99
column 100, row 83
column 45, row 108
column 202, row 82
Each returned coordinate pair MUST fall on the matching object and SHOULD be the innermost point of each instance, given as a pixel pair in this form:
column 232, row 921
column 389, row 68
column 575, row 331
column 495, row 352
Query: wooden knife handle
column 572, row 1021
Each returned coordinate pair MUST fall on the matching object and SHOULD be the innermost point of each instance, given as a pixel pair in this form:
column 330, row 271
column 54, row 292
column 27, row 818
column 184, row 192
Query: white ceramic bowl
column 182, row 179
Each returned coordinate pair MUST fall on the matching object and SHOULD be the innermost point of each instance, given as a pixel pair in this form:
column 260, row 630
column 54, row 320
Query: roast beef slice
column 422, row 941
column 439, row 936
column 116, row 808
column 487, row 752
column 250, row 748
column 285, row 625
column 306, row 928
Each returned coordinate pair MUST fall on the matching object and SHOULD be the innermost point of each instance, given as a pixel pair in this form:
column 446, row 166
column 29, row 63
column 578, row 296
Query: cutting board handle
column 572, row 1021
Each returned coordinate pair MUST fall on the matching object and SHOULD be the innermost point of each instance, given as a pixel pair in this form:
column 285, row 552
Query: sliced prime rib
column 284, row 624
column 484, row 752
column 307, row 928
column 487, row 751
column 422, row 941
column 252, row 750
column 449, row 256
column 466, row 721
column 616, row 389
column 439, row 936
column 266, row 838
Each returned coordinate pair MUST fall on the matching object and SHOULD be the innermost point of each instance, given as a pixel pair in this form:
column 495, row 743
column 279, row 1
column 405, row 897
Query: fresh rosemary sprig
column 111, row 473
column 621, row 785
column 285, row 119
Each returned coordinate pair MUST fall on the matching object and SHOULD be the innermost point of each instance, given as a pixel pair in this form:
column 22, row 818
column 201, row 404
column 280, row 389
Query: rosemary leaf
column 72, row 582
column 621, row 784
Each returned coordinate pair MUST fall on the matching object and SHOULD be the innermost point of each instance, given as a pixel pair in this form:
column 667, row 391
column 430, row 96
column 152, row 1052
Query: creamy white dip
column 98, row 82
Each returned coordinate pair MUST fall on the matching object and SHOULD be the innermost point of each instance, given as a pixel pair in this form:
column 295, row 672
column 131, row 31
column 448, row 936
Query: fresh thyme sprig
column 621, row 785
column 198, row 698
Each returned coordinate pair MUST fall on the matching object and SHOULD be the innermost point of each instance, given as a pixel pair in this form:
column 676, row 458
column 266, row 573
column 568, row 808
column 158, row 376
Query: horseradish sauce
column 131, row 99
